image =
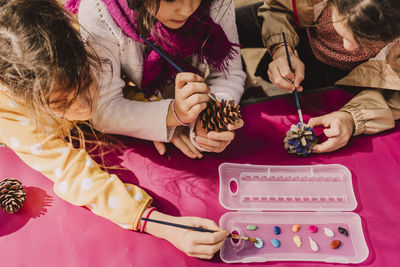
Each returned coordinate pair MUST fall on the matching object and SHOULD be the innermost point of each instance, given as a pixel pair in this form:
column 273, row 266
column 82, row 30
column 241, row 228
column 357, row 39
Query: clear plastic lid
column 321, row 187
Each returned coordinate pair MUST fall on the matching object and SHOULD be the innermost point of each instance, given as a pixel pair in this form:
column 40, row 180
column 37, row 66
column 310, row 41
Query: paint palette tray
column 310, row 195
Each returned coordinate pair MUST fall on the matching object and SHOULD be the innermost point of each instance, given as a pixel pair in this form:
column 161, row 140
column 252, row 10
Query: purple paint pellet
column 313, row 229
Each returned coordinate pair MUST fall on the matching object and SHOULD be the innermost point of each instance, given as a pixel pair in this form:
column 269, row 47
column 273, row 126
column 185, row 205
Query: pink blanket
column 51, row 232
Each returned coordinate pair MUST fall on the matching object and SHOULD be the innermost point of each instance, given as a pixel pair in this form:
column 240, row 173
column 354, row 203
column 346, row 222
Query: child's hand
column 197, row 244
column 192, row 243
column 191, row 96
column 216, row 141
column 181, row 140
column 339, row 127
column 279, row 72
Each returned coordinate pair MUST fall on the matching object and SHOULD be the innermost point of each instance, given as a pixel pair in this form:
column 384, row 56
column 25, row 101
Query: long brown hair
column 371, row 20
column 40, row 47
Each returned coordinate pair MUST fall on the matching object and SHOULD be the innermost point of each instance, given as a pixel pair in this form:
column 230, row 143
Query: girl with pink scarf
column 196, row 35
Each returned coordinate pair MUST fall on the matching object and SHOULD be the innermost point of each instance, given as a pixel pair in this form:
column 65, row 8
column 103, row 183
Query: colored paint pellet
column 343, row 231
column 335, row 244
column 259, row 243
column 313, row 229
column 277, row 230
column 251, row 227
column 297, row 240
column 276, row 243
column 328, row 232
column 296, row 228
column 313, row 244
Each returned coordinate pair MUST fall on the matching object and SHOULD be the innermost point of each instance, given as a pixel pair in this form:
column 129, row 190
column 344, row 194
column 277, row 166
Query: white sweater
column 146, row 120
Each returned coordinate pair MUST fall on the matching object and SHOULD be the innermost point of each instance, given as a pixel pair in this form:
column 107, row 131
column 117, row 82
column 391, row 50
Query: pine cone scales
column 217, row 116
column 300, row 139
column 12, row 195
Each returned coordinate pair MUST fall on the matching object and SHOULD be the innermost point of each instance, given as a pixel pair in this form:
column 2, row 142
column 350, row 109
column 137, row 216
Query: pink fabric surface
column 51, row 232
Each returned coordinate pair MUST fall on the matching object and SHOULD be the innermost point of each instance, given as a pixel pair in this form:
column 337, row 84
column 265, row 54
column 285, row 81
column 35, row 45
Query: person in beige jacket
column 344, row 42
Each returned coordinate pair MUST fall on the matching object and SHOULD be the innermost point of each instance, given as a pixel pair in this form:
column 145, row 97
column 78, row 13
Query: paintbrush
column 291, row 69
column 179, row 69
column 198, row 229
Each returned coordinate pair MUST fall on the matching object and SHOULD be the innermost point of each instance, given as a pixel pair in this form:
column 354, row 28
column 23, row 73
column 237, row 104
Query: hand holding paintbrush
column 198, row 229
column 179, row 69
column 191, row 94
column 301, row 138
column 202, row 243
column 280, row 73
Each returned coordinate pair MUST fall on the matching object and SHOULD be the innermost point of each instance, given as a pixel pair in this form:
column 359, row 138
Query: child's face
column 83, row 108
column 341, row 27
column 174, row 14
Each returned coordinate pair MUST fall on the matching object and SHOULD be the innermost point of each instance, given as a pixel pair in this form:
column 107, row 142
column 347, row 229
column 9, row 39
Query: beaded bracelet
column 146, row 217
column 176, row 116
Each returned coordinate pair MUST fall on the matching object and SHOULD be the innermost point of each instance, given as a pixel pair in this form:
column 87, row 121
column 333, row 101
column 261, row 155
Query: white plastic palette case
column 268, row 196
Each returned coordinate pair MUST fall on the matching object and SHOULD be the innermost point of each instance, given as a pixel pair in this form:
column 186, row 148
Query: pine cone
column 217, row 116
column 300, row 140
column 12, row 195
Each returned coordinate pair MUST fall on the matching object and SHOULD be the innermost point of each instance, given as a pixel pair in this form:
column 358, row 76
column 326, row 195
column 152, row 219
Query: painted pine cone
column 12, row 195
column 217, row 116
column 300, row 140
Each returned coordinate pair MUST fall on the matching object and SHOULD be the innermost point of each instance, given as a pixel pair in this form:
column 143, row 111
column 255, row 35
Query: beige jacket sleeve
column 374, row 110
column 277, row 18
column 77, row 178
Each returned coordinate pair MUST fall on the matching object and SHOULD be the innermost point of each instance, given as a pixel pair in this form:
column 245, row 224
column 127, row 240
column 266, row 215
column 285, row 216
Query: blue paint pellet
column 276, row 243
column 277, row 230
column 259, row 243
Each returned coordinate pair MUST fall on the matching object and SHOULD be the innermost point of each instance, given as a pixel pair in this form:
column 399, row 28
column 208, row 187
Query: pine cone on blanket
column 300, row 140
column 12, row 195
column 217, row 116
